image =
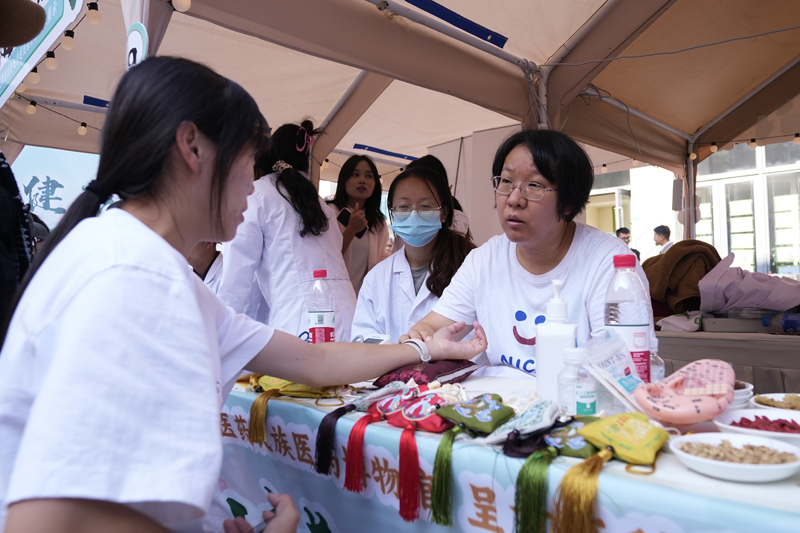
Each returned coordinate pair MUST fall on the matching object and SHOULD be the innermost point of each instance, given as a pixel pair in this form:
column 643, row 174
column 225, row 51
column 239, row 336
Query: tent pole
column 689, row 218
column 635, row 112
column 343, row 99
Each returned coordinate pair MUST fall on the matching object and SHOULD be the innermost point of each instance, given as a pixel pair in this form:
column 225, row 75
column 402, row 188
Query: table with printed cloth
column 671, row 500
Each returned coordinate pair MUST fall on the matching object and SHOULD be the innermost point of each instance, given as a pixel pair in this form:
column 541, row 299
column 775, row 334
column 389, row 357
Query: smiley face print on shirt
column 525, row 335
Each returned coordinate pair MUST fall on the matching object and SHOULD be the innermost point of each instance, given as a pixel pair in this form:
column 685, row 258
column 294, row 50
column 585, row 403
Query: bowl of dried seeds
column 743, row 458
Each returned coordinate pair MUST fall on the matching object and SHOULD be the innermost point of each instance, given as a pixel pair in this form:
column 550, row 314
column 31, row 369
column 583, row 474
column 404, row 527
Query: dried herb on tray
column 747, row 454
column 765, row 424
column 790, row 401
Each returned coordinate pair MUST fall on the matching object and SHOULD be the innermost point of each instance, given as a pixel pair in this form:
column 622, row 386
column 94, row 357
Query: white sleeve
column 365, row 319
column 242, row 258
column 458, row 302
column 126, row 408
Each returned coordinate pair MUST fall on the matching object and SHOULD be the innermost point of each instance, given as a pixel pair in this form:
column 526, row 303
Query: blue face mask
column 415, row 230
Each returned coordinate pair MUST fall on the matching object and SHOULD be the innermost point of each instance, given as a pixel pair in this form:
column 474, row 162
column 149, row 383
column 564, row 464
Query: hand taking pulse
column 284, row 519
column 443, row 344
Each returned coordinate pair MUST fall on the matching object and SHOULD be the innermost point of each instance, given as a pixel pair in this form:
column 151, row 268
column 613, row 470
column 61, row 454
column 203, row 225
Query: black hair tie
column 98, row 191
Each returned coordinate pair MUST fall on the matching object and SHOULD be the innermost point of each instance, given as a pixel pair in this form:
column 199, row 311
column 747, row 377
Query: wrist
column 420, row 347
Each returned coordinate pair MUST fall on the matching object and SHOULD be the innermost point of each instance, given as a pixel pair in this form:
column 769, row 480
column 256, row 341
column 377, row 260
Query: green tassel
column 441, row 492
column 530, row 507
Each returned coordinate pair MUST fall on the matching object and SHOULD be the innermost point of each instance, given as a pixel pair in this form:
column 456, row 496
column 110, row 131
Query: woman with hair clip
column 400, row 291
column 358, row 210
column 288, row 232
column 114, row 362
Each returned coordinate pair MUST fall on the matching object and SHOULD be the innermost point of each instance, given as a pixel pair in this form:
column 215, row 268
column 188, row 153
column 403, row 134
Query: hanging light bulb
column 182, row 5
column 31, row 108
column 21, row 87
column 796, row 139
column 713, row 148
column 324, row 164
column 604, row 168
column 636, row 162
column 693, row 156
column 93, row 15
column 753, row 144
column 68, row 42
column 82, row 129
column 50, row 60
column 33, row 76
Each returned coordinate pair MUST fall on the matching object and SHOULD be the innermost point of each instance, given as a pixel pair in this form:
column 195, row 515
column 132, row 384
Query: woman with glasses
column 401, row 290
column 542, row 180
column 358, row 210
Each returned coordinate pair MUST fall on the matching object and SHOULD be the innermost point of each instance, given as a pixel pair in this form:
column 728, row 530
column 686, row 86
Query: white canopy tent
column 408, row 86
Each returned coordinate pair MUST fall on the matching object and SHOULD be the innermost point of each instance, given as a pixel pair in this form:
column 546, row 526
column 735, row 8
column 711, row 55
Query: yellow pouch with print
column 631, row 435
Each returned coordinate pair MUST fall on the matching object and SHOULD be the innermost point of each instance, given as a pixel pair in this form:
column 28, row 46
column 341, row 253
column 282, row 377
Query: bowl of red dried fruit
column 783, row 425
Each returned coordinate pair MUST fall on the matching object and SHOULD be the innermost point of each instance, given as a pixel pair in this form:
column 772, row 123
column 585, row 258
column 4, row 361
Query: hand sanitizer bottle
column 553, row 337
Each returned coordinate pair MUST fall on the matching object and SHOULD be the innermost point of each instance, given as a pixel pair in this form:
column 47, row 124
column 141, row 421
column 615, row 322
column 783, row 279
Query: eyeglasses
column 530, row 190
column 425, row 211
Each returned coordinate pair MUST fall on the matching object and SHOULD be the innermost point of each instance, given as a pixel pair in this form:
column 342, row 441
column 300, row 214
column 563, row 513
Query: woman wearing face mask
column 358, row 210
column 400, row 291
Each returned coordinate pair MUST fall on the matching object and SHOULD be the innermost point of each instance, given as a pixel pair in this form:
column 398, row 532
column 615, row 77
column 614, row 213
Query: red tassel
column 408, row 489
column 354, row 473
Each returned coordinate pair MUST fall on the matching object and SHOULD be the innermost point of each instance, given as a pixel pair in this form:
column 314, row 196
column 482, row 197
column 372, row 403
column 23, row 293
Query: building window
column 741, row 157
column 705, row 226
column 784, row 222
column 782, row 154
column 741, row 227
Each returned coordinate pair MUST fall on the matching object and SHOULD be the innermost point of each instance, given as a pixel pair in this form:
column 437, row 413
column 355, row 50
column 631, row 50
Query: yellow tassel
column 574, row 505
column 254, row 382
column 258, row 416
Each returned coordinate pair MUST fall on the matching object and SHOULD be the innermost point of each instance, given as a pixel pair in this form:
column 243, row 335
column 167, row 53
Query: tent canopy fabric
column 298, row 59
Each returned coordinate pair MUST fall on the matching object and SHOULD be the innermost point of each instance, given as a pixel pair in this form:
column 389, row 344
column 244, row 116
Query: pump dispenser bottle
column 553, row 337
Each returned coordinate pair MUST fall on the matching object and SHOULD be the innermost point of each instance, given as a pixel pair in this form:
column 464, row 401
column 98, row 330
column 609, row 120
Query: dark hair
column 450, row 248
column 372, row 207
column 151, row 101
column 434, row 163
column 620, row 231
column 291, row 144
column 664, row 231
column 560, row 160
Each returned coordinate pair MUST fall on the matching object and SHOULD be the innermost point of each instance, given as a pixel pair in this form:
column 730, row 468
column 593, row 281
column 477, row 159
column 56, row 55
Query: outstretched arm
column 339, row 363
column 430, row 323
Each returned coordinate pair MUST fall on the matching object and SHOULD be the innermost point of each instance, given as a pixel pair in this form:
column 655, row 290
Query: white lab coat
column 269, row 268
column 214, row 275
column 387, row 303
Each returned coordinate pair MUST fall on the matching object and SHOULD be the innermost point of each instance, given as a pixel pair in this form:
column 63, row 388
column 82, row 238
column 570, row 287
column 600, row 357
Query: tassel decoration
column 530, row 507
column 325, row 439
column 258, row 416
column 254, row 382
column 441, row 492
column 354, row 473
column 574, row 505
column 408, row 488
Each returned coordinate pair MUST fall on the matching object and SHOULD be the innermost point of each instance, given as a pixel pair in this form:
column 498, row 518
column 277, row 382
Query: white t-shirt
column 112, row 376
column 508, row 301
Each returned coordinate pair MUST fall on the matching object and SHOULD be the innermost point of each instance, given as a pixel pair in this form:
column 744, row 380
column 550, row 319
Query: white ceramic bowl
column 724, row 420
column 775, row 396
column 745, row 393
column 736, row 471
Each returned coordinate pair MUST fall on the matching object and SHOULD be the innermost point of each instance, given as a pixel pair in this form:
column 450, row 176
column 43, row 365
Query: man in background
column 624, row 234
column 661, row 238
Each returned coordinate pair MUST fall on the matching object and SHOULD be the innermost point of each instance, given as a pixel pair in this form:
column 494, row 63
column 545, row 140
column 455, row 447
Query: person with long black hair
column 288, row 232
column 358, row 211
column 116, row 356
column 402, row 290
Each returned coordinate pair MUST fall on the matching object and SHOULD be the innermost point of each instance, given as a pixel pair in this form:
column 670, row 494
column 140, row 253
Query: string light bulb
column 31, row 108
column 796, row 139
column 182, row 5
column 693, row 156
column 82, row 129
column 50, row 60
column 324, row 165
column 753, row 144
column 68, row 42
column 93, row 15
column 636, row 162
column 21, row 87
column 33, row 76
column 713, row 148
column 604, row 168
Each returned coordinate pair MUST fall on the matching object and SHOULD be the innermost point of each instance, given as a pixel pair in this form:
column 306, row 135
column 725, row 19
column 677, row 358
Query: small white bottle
column 553, row 337
column 577, row 389
column 656, row 363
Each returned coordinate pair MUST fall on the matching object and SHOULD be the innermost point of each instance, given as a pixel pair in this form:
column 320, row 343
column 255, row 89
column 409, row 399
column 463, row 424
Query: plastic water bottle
column 577, row 389
column 321, row 320
column 657, row 372
column 782, row 323
column 628, row 312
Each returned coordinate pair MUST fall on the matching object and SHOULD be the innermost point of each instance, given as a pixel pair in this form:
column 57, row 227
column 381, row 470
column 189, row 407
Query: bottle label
column 577, row 398
column 321, row 327
column 637, row 339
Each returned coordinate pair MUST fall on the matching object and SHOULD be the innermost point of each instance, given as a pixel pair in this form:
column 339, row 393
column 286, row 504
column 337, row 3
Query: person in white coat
column 288, row 232
column 403, row 289
column 358, row 211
